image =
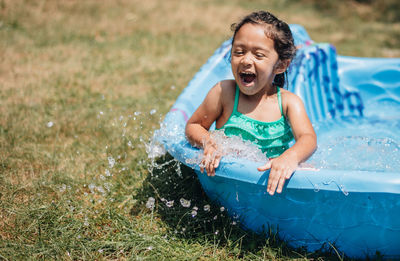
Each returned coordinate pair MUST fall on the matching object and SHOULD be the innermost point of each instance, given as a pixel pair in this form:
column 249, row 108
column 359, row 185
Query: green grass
column 78, row 80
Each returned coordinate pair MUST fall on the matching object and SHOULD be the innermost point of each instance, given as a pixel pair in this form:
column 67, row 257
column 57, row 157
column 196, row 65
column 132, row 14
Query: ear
column 281, row 66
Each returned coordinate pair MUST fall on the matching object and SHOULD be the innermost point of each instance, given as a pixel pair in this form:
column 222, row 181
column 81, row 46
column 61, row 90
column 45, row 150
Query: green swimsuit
column 271, row 137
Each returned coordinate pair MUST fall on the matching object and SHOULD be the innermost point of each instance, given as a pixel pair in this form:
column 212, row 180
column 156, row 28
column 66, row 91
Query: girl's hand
column 211, row 158
column 282, row 169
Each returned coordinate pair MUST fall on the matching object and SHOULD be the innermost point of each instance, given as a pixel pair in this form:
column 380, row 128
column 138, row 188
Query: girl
column 254, row 105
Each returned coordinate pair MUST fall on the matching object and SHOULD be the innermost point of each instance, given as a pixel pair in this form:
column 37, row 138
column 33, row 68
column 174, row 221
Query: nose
column 246, row 59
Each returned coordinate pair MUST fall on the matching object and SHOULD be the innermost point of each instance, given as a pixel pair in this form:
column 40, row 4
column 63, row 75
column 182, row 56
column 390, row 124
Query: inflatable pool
column 351, row 199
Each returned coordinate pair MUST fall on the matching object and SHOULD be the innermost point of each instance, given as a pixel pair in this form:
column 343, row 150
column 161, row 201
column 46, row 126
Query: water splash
column 169, row 203
column 111, row 162
column 150, row 203
column 231, row 148
column 184, row 202
column 194, row 211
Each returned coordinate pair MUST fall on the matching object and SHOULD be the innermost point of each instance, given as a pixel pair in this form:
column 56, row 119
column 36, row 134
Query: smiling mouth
column 247, row 77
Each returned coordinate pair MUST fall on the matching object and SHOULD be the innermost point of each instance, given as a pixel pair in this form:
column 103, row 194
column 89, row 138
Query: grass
column 82, row 86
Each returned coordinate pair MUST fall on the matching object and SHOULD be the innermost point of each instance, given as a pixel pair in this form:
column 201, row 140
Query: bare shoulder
column 227, row 88
column 290, row 101
column 227, row 85
column 222, row 87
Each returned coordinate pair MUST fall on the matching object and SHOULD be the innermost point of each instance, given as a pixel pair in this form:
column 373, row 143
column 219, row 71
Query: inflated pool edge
column 357, row 212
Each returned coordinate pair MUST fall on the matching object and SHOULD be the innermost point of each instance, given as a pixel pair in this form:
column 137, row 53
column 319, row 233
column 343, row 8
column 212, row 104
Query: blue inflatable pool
column 351, row 199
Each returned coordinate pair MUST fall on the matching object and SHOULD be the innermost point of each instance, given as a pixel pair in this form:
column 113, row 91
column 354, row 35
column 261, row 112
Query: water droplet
column 91, row 187
column 150, row 203
column 169, row 203
column 111, row 162
column 184, row 202
column 63, row 188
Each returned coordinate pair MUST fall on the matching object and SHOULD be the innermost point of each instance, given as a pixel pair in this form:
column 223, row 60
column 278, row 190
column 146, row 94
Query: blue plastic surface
column 356, row 210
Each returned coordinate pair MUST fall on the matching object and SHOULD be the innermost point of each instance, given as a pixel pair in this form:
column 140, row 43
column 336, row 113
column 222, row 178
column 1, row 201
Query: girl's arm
column 283, row 166
column 198, row 125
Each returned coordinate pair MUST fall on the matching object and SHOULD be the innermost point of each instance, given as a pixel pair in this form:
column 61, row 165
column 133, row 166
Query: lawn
column 83, row 85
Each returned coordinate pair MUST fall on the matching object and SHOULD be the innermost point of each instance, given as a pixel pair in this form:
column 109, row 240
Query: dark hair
column 278, row 31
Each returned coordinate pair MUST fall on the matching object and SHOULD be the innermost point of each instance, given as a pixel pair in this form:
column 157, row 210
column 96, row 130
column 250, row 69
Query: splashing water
column 194, row 211
column 111, row 162
column 232, row 148
column 150, row 203
column 184, row 202
column 169, row 204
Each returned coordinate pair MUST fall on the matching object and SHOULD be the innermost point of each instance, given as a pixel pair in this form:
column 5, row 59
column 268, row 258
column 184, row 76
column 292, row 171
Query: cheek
column 234, row 64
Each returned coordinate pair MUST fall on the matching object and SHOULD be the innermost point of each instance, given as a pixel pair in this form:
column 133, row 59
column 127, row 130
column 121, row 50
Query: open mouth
column 247, row 77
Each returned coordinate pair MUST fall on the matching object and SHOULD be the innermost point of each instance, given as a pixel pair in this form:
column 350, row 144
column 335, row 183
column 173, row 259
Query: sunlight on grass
column 83, row 84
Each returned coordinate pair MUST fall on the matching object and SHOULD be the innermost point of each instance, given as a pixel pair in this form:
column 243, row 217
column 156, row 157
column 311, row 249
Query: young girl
column 254, row 105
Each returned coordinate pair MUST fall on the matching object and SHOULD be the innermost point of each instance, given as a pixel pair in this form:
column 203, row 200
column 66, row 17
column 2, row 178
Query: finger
column 289, row 174
column 217, row 160
column 273, row 182
column 280, row 184
column 210, row 168
column 210, row 171
column 265, row 167
column 201, row 166
column 204, row 163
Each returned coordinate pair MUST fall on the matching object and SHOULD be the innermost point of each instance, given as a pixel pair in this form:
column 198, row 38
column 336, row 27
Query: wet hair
column 278, row 31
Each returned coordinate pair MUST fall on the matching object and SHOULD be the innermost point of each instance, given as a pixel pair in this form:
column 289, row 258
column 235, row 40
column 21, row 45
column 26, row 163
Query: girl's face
column 254, row 60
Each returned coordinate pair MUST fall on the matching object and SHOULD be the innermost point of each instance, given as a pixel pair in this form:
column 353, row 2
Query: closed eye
column 239, row 52
column 260, row 55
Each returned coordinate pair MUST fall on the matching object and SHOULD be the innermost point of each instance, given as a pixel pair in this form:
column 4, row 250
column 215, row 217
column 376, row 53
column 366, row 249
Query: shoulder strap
column 236, row 99
column 278, row 92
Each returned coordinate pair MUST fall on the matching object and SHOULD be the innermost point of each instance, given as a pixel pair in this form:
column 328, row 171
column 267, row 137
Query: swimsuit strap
column 236, row 99
column 278, row 92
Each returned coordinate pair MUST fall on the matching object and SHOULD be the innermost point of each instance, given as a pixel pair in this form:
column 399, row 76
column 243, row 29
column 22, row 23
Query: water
column 368, row 144
column 232, row 148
